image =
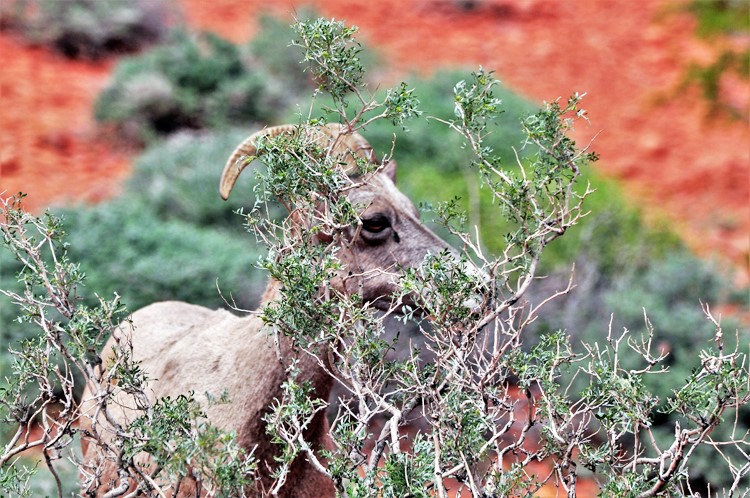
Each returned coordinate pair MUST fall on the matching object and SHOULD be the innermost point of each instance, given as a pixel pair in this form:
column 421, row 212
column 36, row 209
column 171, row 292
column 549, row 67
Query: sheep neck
column 253, row 430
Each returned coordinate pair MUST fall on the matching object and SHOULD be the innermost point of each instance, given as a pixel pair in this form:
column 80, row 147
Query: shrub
column 651, row 293
column 429, row 154
column 178, row 178
column 282, row 61
column 125, row 249
column 90, row 28
column 730, row 65
column 163, row 239
column 189, row 82
column 166, row 237
column 205, row 81
column 47, row 367
column 128, row 249
column 672, row 290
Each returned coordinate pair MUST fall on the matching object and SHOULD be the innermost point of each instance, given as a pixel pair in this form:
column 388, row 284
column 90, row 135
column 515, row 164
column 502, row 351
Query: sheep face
column 389, row 238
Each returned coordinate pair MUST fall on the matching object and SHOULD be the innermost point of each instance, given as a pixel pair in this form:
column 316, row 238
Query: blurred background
column 119, row 115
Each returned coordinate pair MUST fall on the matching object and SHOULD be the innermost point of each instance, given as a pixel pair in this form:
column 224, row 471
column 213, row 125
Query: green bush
column 430, row 144
column 89, row 28
column 189, row 82
column 720, row 17
column 671, row 291
column 178, row 178
column 282, row 61
column 204, row 81
column 60, row 355
column 169, row 235
column 125, row 248
column 623, row 283
column 128, row 249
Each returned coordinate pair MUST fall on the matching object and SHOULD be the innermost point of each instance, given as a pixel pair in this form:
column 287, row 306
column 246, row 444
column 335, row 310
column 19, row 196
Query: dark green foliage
column 409, row 474
column 201, row 450
column 333, row 52
column 49, row 367
column 721, row 16
column 192, row 81
column 720, row 19
column 89, row 28
column 619, row 283
column 282, row 60
column 128, row 249
column 178, row 178
column 429, row 145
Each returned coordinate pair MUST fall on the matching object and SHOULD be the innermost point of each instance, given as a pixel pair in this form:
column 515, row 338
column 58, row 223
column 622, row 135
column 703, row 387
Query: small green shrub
column 282, row 61
column 719, row 20
column 720, row 16
column 641, row 286
column 89, row 28
column 178, row 178
column 169, row 236
column 430, row 144
column 128, row 249
column 672, row 290
column 125, row 248
column 189, row 82
column 61, row 354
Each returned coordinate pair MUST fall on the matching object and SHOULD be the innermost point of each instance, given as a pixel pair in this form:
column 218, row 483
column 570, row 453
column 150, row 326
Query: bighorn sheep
column 186, row 348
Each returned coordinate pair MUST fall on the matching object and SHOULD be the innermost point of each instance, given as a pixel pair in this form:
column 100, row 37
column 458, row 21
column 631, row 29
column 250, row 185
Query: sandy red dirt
column 49, row 145
column 687, row 168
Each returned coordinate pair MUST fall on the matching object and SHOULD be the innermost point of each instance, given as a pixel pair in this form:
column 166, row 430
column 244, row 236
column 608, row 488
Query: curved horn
column 243, row 155
column 337, row 136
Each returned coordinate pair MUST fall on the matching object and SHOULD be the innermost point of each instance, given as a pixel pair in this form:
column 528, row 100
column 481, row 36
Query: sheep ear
column 389, row 170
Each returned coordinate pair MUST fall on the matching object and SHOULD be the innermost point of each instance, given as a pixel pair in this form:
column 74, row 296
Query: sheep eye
column 376, row 224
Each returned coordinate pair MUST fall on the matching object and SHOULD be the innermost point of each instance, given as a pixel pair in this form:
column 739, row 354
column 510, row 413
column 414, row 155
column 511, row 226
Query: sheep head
column 387, row 235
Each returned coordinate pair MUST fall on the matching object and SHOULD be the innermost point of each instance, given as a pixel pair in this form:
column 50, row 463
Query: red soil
column 49, row 147
column 685, row 167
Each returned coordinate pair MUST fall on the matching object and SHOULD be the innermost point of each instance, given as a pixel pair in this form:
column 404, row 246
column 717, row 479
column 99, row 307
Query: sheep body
column 187, row 348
